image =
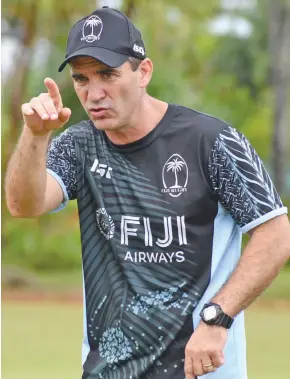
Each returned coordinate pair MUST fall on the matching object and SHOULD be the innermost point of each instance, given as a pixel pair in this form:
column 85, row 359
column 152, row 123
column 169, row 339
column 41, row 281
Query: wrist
column 225, row 305
column 213, row 314
column 39, row 136
column 215, row 328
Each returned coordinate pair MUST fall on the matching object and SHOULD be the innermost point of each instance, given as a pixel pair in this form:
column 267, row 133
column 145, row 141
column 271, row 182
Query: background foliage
column 242, row 77
column 228, row 58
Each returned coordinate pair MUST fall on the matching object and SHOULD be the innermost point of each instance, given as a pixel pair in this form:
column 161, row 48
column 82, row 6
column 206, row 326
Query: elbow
column 19, row 213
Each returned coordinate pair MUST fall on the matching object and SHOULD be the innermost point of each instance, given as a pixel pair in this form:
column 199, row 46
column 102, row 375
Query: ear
column 145, row 72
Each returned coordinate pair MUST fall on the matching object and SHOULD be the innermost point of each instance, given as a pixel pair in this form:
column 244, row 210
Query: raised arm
column 30, row 191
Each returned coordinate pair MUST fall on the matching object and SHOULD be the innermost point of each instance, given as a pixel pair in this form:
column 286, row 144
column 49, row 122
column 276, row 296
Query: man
column 164, row 194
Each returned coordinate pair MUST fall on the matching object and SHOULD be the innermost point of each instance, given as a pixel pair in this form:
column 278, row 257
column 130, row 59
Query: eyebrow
column 102, row 71
column 75, row 75
column 105, row 70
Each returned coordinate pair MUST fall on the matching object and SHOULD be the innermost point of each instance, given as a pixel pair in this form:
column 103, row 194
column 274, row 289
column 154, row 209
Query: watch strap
column 224, row 320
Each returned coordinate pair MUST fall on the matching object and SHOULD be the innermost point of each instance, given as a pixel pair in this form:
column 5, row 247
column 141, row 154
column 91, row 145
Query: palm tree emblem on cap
column 94, row 25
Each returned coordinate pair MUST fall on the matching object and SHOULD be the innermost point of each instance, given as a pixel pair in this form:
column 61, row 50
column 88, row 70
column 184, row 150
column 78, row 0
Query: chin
column 105, row 124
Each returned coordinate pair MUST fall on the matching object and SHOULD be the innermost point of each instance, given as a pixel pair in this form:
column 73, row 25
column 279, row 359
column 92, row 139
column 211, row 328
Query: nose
column 95, row 92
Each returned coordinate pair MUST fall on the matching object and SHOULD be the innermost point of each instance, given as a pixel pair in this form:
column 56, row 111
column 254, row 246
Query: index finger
column 53, row 91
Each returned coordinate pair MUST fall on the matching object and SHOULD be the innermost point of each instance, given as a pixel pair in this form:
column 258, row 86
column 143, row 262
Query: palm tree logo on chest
column 175, row 176
column 92, row 29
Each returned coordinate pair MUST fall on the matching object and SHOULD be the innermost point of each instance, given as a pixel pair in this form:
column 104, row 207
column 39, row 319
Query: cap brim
column 108, row 57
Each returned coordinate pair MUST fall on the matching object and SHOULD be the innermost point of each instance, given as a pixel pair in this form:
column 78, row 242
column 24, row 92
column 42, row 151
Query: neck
column 145, row 118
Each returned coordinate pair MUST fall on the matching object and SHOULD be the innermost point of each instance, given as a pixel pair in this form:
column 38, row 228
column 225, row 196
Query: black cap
column 106, row 35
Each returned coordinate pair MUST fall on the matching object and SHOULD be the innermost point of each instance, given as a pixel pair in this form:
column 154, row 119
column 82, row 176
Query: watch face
column 210, row 313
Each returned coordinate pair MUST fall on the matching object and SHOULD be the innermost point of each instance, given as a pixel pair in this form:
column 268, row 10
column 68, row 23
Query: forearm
column 262, row 259
column 26, row 175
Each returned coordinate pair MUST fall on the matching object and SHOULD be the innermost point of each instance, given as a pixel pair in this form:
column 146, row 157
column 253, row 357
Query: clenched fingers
column 207, row 365
column 197, row 367
column 49, row 106
column 27, row 110
column 38, row 107
column 218, row 359
column 188, row 368
column 45, row 113
column 64, row 115
column 202, row 366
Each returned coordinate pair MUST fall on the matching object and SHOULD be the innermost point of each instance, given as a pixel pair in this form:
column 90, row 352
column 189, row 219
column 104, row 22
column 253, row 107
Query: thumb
column 64, row 115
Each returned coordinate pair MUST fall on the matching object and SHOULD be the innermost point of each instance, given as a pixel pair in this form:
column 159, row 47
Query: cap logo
column 138, row 49
column 92, row 29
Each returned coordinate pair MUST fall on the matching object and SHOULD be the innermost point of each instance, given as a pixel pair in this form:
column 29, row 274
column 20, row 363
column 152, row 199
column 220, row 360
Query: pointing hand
column 46, row 113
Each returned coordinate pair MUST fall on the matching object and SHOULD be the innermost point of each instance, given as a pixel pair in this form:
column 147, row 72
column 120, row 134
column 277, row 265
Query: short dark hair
column 134, row 63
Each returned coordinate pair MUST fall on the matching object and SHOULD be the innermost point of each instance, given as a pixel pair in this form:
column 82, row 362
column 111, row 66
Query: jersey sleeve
column 241, row 182
column 61, row 164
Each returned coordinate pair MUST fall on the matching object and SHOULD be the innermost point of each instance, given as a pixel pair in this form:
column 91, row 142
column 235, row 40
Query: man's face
column 108, row 95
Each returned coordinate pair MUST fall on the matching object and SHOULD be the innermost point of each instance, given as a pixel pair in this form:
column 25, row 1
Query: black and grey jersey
column 161, row 222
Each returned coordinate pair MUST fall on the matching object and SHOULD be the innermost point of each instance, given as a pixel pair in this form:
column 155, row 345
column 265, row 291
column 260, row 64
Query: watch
column 212, row 314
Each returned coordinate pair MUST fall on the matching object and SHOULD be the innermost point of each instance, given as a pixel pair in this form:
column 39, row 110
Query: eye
column 108, row 75
column 79, row 79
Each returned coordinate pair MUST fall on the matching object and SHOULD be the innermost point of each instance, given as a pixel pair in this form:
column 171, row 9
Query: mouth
column 98, row 112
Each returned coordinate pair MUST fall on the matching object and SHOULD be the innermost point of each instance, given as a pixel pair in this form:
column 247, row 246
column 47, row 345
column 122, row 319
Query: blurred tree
column 238, row 70
column 31, row 21
column 35, row 24
column 129, row 7
column 224, row 75
column 279, row 45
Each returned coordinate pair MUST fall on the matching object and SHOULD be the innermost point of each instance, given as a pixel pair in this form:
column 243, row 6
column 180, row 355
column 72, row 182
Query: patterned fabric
column 239, row 178
column 149, row 222
column 61, row 158
column 139, row 311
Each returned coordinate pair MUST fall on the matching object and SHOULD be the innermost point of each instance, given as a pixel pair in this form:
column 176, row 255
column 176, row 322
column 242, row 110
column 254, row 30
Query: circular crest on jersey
column 105, row 223
column 92, row 29
column 175, row 176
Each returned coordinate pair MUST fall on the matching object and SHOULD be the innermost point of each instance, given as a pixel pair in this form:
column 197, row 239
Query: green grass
column 72, row 280
column 61, row 280
column 268, row 343
column 280, row 287
column 43, row 341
